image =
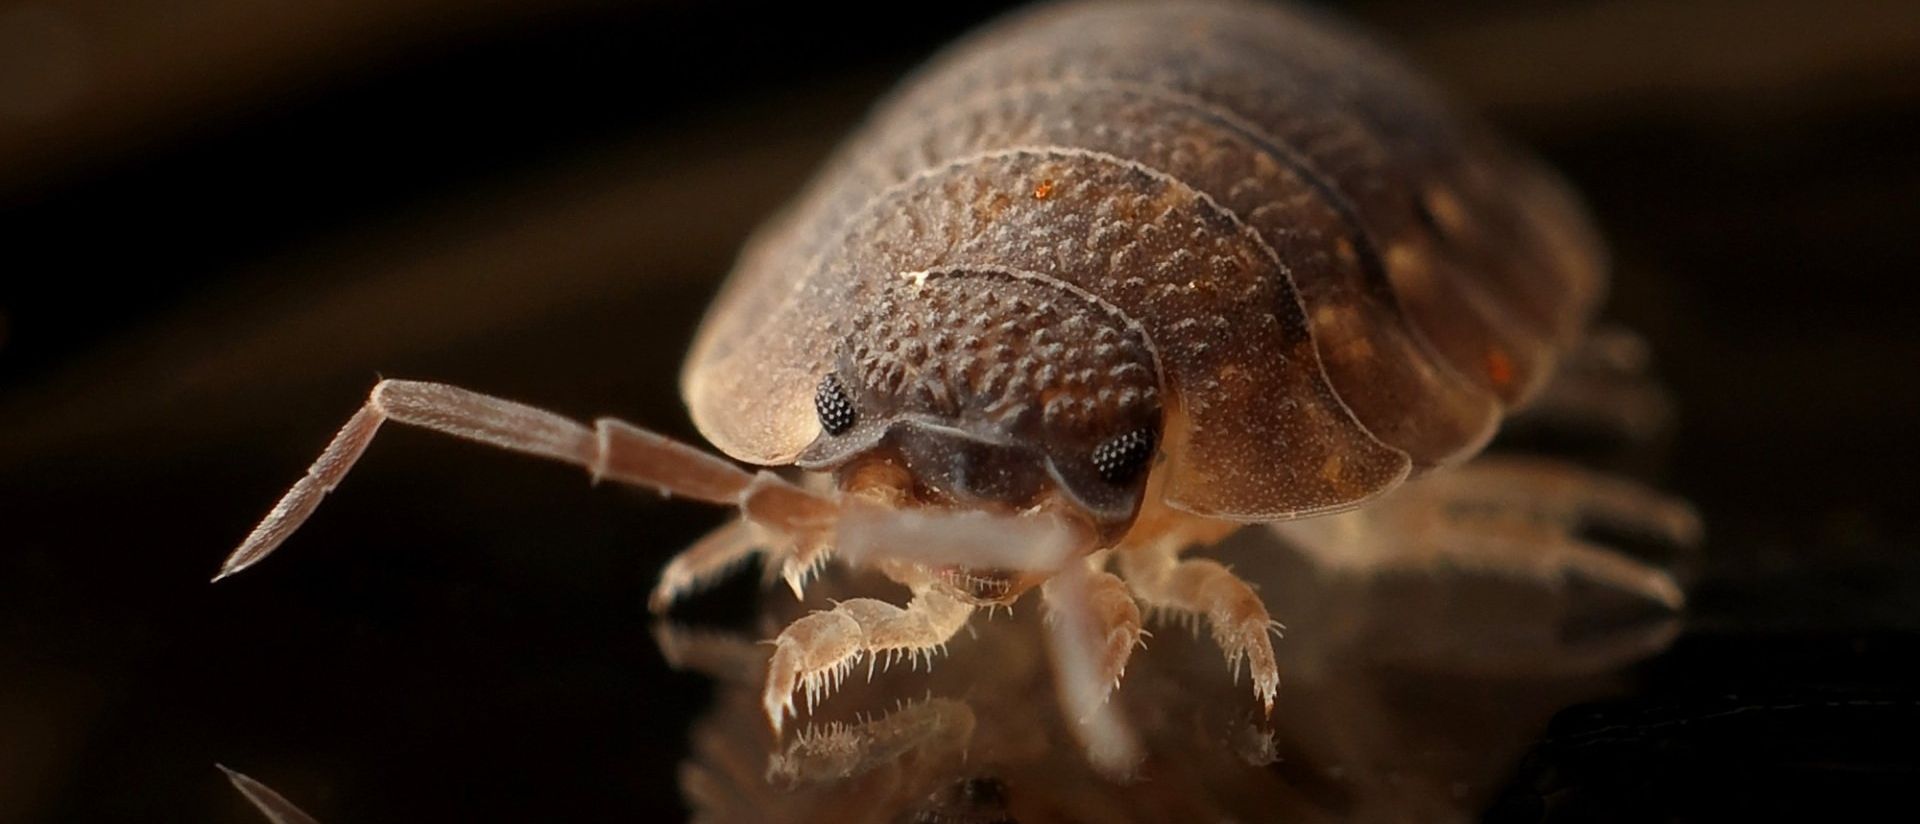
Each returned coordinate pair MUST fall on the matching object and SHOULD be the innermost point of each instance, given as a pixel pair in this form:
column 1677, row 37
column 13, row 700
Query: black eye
column 830, row 400
column 1119, row 460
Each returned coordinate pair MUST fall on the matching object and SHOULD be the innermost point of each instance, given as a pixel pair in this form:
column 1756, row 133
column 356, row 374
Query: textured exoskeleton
column 1100, row 284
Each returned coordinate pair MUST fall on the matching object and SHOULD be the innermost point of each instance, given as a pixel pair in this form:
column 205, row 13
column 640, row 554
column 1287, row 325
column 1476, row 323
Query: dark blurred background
column 221, row 220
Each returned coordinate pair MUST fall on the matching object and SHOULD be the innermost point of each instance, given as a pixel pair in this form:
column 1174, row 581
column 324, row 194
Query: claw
column 1250, row 642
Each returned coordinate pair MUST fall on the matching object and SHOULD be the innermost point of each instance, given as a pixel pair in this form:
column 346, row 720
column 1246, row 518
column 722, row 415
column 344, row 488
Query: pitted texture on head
column 1001, row 349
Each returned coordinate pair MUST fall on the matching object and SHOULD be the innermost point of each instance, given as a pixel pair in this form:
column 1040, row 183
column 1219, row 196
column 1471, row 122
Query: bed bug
column 1099, row 285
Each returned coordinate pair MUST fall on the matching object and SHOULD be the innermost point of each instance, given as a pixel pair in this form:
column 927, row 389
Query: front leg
column 709, row 559
column 1113, row 628
column 1092, row 627
column 1203, row 588
column 794, row 557
column 814, row 653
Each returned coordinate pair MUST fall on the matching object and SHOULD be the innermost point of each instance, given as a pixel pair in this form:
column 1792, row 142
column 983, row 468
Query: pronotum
column 1100, row 284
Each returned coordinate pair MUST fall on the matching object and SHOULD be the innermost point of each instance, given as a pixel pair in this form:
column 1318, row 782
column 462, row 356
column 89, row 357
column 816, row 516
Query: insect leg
column 276, row 808
column 935, row 730
column 1560, row 499
column 816, row 652
column 1093, row 625
column 1115, row 629
column 725, row 656
column 796, row 551
column 1601, row 390
column 1529, row 519
column 611, row 449
column 1204, row 588
column 708, row 559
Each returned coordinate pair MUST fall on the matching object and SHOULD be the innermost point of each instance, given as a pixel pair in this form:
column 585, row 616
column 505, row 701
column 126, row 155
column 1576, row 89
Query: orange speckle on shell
column 1499, row 368
column 1333, row 468
column 1043, row 189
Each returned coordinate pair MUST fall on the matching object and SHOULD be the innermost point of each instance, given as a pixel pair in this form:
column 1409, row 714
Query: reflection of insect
column 1102, row 283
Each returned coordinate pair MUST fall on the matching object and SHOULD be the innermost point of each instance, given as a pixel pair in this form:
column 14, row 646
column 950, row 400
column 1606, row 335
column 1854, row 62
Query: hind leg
column 1515, row 517
column 1602, row 389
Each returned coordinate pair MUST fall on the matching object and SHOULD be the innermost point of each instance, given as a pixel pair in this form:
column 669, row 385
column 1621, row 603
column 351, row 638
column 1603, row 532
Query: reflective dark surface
column 237, row 221
column 1408, row 697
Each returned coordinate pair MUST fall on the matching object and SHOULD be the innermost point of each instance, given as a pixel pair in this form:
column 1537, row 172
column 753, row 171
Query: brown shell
column 1343, row 279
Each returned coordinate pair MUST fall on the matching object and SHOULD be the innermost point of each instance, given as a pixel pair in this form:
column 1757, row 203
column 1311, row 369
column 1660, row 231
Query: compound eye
column 1120, row 460
column 835, row 408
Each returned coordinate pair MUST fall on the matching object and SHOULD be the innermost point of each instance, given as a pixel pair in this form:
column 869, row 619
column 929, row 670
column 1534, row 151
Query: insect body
column 1100, row 284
